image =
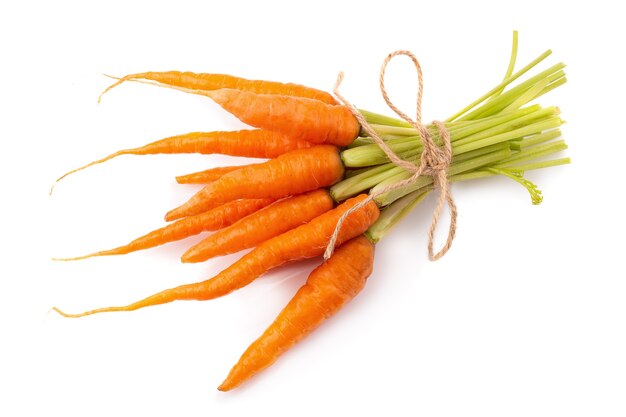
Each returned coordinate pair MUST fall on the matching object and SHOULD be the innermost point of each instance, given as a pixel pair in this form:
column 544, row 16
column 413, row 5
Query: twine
column 434, row 160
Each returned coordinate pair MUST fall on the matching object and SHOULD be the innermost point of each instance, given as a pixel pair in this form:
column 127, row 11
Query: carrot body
column 297, row 117
column 266, row 223
column 306, row 241
column 207, row 176
column 203, row 81
column 248, row 143
column 293, row 173
column 329, row 287
column 215, row 219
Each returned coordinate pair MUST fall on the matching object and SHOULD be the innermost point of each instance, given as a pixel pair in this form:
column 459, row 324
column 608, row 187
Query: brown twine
column 434, row 161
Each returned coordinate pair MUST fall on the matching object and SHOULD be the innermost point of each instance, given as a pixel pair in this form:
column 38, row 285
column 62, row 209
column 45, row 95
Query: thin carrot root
column 194, row 81
column 306, row 241
column 159, row 298
column 99, row 161
column 329, row 287
column 254, row 143
column 211, row 220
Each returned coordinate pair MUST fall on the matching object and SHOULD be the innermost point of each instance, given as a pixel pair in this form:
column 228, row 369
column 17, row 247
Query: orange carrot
column 306, row 241
column 293, row 173
column 329, row 287
column 216, row 81
column 207, row 176
column 297, row 117
column 271, row 221
column 249, row 143
column 215, row 219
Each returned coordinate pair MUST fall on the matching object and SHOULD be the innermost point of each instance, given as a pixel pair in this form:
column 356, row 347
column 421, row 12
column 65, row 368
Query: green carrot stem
column 391, row 196
column 506, row 98
column 511, row 67
column 510, row 125
column 369, row 178
column 379, row 119
column 500, row 86
column 392, row 214
column 371, row 154
column 532, row 153
column 476, row 126
column 533, row 128
column 528, row 95
column 537, row 139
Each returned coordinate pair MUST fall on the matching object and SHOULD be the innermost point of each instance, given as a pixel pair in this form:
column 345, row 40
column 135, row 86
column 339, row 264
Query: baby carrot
column 306, row 241
column 215, row 219
column 296, row 117
column 202, row 81
column 293, row 173
column 248, row 143
column 329, row 287
column 266, row 223
column 207, row 176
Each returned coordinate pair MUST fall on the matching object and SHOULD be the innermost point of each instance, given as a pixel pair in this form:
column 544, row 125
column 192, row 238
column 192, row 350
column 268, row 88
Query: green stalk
column 391, row 196
column 532, row 153
column 500, row 86
column 535, row 139
column 368, row 178
column 533, row 128
column 476, row 126
column 371, row 154
column 473, row 175
column 379, row 119
column 392, row 214
column 505, row 99
column 510, row 125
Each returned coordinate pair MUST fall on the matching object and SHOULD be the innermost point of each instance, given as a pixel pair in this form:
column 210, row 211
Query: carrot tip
column 64, row 314
column 224, row 387
column 118, row 82
column 172, row 215
column 77, row 258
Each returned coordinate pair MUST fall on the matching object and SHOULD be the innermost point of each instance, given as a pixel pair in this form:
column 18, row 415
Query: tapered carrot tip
column 117, row 251
column 226, row 386
column 118, row 82
column 99, row 161
column 64, row 314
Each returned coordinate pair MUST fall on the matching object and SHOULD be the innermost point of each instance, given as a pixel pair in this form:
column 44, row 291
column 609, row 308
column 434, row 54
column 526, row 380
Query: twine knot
column 434, row 161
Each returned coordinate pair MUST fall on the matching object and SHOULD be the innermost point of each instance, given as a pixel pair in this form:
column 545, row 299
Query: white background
column 524, row 317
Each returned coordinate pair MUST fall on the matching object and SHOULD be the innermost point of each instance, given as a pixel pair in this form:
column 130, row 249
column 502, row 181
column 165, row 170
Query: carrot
column 202, row 81
column 306, row 241
column 266, row 223
column 248, row 143
column 207, row 176
column 215, row 219
column 293, row 173
column 296, row 117
column 329, row 287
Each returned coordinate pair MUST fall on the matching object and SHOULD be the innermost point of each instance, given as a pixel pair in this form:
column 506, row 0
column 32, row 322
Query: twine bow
column 434, row 160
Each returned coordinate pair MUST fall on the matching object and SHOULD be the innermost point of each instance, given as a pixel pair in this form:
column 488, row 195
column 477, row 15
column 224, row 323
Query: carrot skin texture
column 254, row 143
column 207, row 176
column 211, row 220
column 203, row 81
column 306, row 241
column 297, row 117
column 329, row 287
column 293, row 173
column 262, row 225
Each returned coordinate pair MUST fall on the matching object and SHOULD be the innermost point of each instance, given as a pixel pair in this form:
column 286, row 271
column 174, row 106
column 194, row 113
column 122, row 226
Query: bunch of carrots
column 319, row 165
